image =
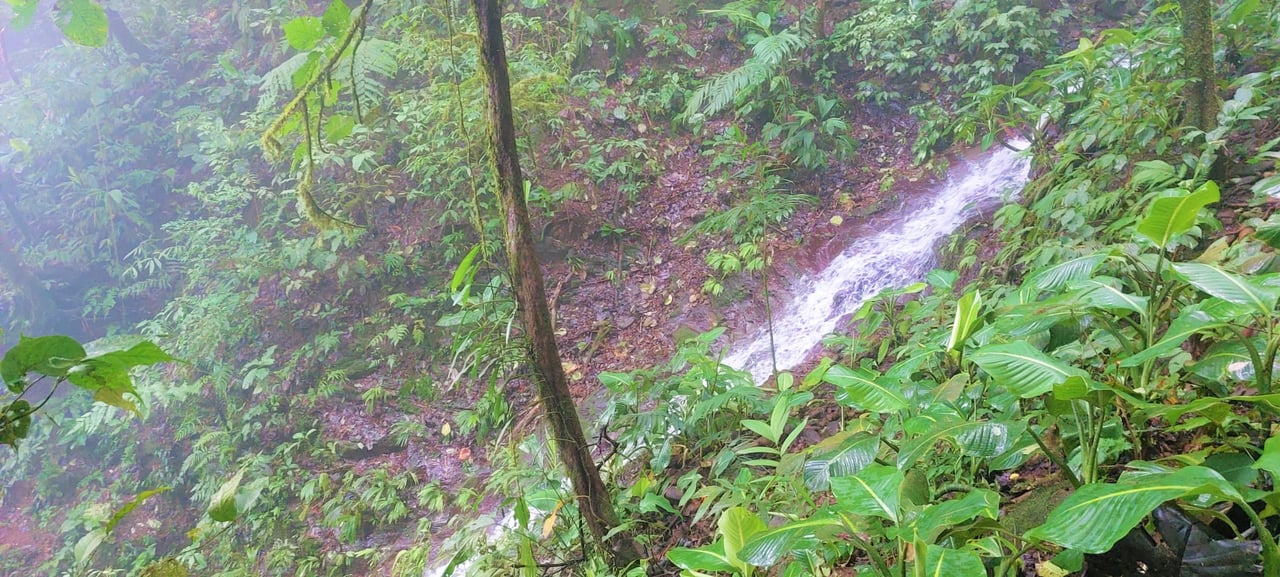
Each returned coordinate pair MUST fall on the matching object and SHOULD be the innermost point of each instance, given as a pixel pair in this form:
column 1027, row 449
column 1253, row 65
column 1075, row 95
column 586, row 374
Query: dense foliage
column 296, row 200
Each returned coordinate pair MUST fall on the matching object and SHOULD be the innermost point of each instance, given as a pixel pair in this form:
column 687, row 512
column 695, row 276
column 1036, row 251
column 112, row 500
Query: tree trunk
column 553, row 387
column 1202, row 102
column 820, row 20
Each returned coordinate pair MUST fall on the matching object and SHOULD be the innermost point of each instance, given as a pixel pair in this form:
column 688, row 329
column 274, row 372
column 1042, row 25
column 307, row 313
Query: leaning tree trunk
column 1202, row 102
column 553, row 387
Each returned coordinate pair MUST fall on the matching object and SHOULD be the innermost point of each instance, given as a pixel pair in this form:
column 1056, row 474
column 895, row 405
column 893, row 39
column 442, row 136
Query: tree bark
column 565, row 427
column 1201, row 104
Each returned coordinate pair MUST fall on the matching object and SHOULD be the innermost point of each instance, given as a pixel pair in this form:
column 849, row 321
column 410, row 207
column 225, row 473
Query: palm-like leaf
column 861, row 389
column 1023, row 370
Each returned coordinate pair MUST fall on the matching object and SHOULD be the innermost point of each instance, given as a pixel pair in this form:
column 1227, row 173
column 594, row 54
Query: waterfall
column 900, row 253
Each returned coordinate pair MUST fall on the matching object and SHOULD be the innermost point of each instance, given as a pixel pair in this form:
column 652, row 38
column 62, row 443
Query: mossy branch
column 297, row 105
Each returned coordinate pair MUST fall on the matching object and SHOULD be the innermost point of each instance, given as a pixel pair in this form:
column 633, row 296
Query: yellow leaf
column 837, row 220
column 550, row 523
column 446, row 430
column 570, row 368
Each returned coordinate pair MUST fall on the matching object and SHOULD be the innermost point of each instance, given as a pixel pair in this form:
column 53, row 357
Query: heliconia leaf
column 874, row 492
column 973, row 438
column 1105, row 293
column 968, row 311
column 708, row 558
column 859, row 388
column 945, row 562
column 1098, row 514
column 737, row 526
column 939, row 517
column 767, row 547
column 1058, row 276
column 1171, row 216
column 1269, row 461
column 1202, row 316
column 1228, row 286
column 1022, row 369
column 840, row 456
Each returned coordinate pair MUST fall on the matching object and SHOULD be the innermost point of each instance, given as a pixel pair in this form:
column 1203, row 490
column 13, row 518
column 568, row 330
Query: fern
column 767, row 59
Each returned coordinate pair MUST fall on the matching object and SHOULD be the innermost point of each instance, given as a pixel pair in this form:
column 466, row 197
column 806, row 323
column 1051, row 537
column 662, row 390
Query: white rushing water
column 895, row 256
column 898, row 254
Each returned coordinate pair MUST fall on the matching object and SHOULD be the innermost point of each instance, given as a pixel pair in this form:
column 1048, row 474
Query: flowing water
column 890, row 250
column 894, row 251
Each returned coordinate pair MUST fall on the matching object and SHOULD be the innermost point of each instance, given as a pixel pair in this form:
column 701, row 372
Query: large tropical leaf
column 974, row 439
column 737, row 526
column 708, row 558
column 1059, row 275
column 946, row 562
column 875, row 491
column 1171, row 216
column 1023, row 370
column 860, row 388
column 840, row 456
column 1202, row 316
column 1228, row 286
column 1099, row 514
column 767, row 547
column 1106, row 293
column 968, row 310
column 939, row 517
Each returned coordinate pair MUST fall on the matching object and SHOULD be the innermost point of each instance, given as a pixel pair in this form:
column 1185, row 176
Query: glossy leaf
column 946, row 562
column 840, row 456
column 948, row 514
column 859, row 388
column 709, row 558
column 1228, row 286
column 1202, row 316
column 873, row 492
column 968, row 310
column 737, row 526
column 974, row 439
column 1269, row 461
column 1058, row 276
column 1099, row 514
column 767, row 547
column 1171, row 216
column 1104, row 293
column 1022, row 369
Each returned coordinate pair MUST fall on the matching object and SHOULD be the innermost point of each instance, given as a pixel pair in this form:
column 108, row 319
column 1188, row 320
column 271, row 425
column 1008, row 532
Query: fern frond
column 768, row 56
column 278, row 82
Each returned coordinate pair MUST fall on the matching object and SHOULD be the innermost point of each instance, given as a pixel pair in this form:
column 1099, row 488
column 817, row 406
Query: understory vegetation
column 264, row 253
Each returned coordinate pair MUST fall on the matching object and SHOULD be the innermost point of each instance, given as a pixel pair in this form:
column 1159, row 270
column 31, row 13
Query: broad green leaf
column 84, row 22
column 87, row 545
column 304, row 32
column 1242, row 11
column 1099, row 514
column 144, row 353
column 1202, row 316
column 767, row 547
column 737, row 526
column 708, row 558
column 1171, row 216
column 1104, row 293
column 968, row 310
column 133, row 503
column 974, row 439
column 466, row 270
column 338, row 127
column 23, row 12
column 858, row 388
column 222, row 507
column 874, row 492
column 1023, row 370
column 1227, row 286
column 51, row 356
column 336, row 18
column 116, row 399
column 946, row 562
column 1058, row 276
column 840, row 456
column 936, row 518
column 1269, row 461
column 1227, row 360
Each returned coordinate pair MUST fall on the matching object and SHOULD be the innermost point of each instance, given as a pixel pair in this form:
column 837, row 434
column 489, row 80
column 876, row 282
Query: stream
column 890, row 249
